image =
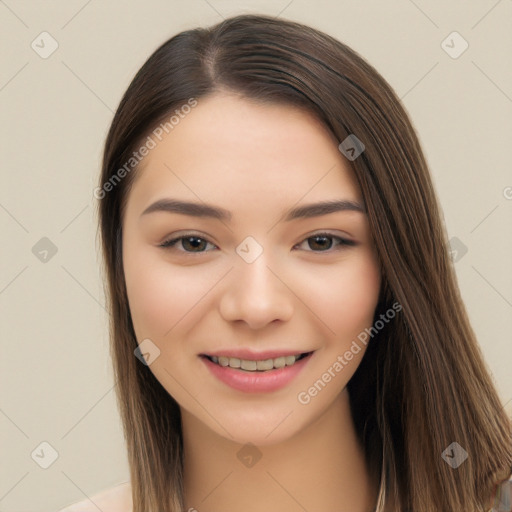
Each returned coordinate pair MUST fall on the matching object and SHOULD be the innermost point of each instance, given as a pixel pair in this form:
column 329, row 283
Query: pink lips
column 255, row 382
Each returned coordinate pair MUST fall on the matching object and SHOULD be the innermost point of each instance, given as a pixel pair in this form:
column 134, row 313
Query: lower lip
column 256, row 382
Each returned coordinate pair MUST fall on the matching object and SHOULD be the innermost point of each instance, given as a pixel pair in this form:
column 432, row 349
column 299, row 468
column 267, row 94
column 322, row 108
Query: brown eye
column 189, row 243
column 323, row 242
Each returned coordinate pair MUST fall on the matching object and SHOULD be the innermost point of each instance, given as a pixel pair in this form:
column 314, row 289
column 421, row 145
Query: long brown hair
column 422, row 384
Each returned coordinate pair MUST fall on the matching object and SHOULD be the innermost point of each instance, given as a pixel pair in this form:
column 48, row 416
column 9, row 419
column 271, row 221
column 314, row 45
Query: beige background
column 55, row 371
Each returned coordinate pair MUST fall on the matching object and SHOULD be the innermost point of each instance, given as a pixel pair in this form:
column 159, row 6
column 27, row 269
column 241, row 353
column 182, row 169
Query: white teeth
column 268, row 364
column 234, row 362
column 245, row 364
column 249, row 365
column 290, row 360
column 279, row 362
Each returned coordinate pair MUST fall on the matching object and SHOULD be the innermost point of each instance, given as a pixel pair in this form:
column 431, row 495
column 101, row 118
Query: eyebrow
column 206, row 210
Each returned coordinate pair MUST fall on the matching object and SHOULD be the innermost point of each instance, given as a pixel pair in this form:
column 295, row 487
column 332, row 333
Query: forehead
column 228, row 149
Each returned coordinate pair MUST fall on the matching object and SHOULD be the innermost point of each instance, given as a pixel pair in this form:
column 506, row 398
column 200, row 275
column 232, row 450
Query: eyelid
column 344, row 241
column 334, row 233
column 169, row 243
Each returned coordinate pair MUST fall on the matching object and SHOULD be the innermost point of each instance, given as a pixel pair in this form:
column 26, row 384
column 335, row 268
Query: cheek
column 347, row 301
column 160, row 295
column 146, row 292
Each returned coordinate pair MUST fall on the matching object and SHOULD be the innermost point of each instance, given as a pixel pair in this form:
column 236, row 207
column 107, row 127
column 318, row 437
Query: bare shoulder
column 115, row 499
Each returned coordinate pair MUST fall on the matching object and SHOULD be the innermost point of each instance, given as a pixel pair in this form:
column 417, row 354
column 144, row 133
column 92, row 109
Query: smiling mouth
column 257, row 366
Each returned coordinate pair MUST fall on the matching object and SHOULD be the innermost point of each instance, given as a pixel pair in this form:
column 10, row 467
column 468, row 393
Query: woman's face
column 258, row 275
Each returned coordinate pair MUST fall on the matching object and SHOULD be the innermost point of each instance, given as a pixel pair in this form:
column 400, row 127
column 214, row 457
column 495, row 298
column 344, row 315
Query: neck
column 321, row 468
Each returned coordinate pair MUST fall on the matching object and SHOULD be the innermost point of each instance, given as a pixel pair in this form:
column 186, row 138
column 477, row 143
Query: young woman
column 287, row 331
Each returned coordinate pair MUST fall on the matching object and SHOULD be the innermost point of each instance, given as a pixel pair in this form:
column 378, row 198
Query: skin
column 257, row 161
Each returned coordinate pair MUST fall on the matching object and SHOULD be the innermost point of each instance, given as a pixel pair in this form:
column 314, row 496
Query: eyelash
column 343, row 242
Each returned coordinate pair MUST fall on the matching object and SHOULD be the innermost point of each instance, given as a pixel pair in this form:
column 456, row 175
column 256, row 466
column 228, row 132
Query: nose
column 256, row 294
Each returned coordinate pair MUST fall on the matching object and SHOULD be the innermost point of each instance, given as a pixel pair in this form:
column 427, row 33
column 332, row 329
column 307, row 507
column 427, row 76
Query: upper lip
column 255, row 356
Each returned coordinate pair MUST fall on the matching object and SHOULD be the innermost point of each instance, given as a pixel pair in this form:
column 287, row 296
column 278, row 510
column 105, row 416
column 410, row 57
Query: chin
column 254, row 434
column 264, row 425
